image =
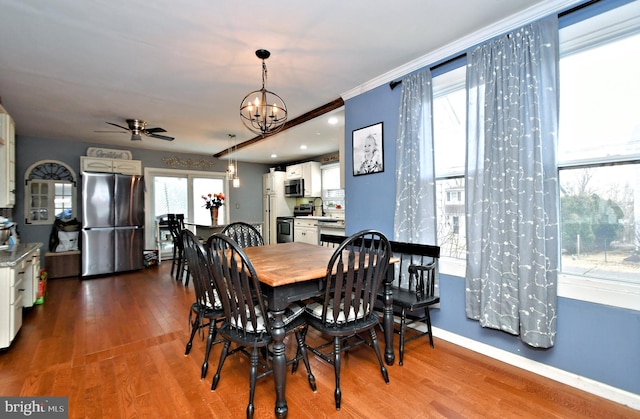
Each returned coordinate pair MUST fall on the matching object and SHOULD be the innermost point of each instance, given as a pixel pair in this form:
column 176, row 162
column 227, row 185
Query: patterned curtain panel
column 512, row 185
column 415, row 220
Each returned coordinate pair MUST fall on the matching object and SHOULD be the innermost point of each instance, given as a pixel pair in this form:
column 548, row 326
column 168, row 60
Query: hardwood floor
column 115, row 347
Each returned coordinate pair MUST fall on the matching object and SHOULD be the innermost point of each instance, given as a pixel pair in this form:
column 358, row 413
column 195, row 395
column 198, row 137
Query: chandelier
column 262, row 111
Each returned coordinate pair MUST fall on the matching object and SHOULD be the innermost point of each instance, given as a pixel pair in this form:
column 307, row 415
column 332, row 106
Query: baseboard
column 586, row 384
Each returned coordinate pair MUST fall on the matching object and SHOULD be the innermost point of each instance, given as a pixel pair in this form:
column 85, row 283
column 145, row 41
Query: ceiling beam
column 328, row 107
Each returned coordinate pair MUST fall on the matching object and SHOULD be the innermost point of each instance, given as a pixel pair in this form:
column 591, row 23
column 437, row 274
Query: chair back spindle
column 245, row 235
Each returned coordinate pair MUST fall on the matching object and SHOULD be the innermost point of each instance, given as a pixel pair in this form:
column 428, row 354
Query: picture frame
column 368, row 150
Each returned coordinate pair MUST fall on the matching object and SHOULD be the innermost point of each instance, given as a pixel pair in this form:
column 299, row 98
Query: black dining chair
column 178, row 263
column 354, row 274
column 413, row 289
column 331, row 240
column 206, row 310
column 244, row 234
column 247, row 323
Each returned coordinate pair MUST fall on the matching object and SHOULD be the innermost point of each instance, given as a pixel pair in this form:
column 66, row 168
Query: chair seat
column 207, row 311
column 315, row 309
column 409, row 300
column 292, row 312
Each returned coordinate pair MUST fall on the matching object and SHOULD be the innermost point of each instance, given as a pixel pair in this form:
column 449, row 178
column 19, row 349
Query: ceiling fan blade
column 161, row 137
column 154, row 130
column 136, row 137
column 119, row 126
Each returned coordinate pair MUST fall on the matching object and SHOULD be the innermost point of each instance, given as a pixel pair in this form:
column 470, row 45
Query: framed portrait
column 368, row 150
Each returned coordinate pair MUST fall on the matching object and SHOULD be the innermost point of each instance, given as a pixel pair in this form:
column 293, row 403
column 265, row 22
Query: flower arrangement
column 213, row 201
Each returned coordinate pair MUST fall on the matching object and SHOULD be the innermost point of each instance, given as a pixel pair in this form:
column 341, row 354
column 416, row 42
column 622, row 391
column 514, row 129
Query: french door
column 171, row 191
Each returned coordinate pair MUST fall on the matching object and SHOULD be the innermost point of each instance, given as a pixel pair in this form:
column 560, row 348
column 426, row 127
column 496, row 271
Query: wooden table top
column 287, row 263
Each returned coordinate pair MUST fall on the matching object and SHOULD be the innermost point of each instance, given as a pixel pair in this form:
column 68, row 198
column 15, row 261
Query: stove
column 303, row 210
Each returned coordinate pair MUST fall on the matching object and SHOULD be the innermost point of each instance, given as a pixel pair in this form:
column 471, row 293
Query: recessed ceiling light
column 273, row 156
column 303, row 147
column 333, row 120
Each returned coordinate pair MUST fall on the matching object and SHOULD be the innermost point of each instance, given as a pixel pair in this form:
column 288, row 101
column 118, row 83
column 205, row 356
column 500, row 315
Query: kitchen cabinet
column 7, row 160
column 103, row 165
column 305, row 231
column 312, row 175
column 18, row 287
column 31, row 272
column 294, row 171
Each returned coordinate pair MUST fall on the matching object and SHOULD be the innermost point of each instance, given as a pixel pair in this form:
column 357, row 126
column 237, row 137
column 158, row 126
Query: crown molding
column 540, row 10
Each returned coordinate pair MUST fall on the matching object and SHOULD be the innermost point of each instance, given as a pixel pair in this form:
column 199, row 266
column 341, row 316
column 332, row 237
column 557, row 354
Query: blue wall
column 370, row 199
column 595, row 341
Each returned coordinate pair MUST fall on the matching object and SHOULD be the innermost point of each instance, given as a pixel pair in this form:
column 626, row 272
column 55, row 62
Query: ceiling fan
column 138, row 127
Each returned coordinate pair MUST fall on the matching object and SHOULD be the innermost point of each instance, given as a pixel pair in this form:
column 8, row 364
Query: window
column 332, row 194
column 50, row 192
column 598, row 153
column 599, row 147
column 449, row 127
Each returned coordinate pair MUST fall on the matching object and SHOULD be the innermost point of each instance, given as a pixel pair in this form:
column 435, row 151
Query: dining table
column 291, row 272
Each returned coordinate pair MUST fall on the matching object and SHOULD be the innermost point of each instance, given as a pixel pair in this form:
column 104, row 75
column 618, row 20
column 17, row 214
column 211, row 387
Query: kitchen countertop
column 14, row 254
column 320, row 218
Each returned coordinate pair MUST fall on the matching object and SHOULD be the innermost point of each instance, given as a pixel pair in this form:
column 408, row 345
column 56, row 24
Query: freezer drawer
column 129, row 245
column 97, row 251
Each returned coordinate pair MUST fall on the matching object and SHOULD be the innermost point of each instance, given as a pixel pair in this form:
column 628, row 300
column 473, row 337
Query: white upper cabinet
column 7, row 160
column 103, row 165
column 294, row 171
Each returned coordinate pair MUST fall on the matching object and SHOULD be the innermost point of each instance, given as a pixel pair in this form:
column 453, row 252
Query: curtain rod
column 393, row 84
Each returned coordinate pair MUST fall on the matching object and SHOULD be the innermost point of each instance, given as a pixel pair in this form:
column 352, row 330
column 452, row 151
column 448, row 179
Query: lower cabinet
column 11, row 302
column 18, row 289
column 305, row 231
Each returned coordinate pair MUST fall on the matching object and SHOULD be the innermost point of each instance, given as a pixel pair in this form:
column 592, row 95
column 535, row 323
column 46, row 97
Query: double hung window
column 598, row 158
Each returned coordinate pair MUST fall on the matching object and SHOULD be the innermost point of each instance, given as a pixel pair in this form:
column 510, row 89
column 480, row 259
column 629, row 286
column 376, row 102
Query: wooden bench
column 62, row 264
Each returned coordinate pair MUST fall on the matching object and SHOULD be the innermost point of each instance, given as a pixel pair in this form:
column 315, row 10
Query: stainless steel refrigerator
column 112, row 223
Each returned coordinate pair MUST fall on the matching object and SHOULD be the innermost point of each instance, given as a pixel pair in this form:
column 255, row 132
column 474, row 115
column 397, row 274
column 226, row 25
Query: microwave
column 294, row 188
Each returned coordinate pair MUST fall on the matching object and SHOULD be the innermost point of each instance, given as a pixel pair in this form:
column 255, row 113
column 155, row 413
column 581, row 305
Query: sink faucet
column 321, row 205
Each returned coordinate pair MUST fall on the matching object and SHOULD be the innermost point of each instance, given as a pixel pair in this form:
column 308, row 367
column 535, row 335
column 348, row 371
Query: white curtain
column 512, row 185
column 415, row 220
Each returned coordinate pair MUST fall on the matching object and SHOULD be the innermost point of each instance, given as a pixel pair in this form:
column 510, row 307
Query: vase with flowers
column 213, row 202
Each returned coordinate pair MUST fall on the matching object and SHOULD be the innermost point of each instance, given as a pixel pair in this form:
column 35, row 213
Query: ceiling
column 67, row 67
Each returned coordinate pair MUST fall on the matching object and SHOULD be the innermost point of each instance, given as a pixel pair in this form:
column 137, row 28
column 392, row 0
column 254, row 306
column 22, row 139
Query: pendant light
column 231, row 167
column 262, row 111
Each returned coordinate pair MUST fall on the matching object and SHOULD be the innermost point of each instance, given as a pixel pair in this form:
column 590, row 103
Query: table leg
column 279, row 364
column 387, row 319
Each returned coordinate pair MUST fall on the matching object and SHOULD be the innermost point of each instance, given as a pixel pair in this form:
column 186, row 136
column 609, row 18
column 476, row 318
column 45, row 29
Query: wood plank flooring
column 115, row 347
